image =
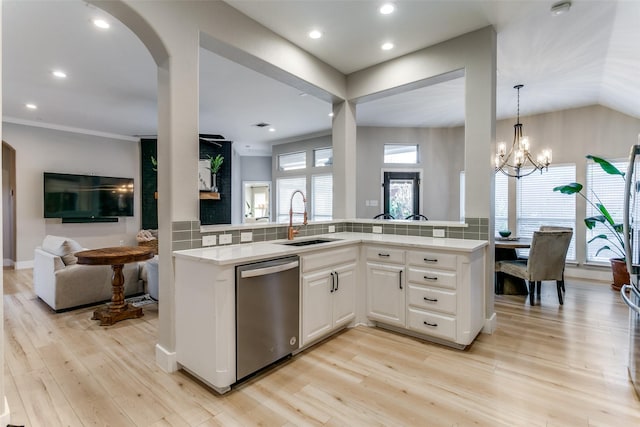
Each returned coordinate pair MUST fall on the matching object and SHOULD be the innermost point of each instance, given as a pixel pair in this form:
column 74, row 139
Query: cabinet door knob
column 430, row 324
column 430, row 299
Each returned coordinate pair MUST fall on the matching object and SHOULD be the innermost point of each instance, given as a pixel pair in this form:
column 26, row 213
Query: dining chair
column 418, row 217
column 546, row 262
column 384, row 216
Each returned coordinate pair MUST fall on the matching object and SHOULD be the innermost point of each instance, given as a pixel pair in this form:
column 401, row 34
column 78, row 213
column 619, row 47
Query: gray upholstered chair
column 546, row 262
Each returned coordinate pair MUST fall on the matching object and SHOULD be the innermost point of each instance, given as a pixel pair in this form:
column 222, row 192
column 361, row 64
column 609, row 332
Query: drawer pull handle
column 430, row 259
column 333, row 282
column 384, row 255
column 337, row 281
column 431, row 277
column 430, row 324
column 400, row 279
column 430, row 299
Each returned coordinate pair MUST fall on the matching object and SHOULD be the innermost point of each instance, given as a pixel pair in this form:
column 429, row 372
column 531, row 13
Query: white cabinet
column 328, row 292
column 440, row 297
column 385, row 285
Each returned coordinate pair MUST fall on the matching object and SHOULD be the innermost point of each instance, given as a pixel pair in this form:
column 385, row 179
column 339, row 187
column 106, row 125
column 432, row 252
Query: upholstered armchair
column 546, row 262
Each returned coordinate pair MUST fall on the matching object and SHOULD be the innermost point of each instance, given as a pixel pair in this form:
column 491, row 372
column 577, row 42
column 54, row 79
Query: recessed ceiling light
column 272, row 129
column 387, row 46
column 315, row 34
column 59, row 74
column 101, row 23
column 560, row 8
column 387, row 8
column 31, row 106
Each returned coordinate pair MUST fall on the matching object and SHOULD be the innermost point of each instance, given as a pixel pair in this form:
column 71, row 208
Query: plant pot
column 620, row 273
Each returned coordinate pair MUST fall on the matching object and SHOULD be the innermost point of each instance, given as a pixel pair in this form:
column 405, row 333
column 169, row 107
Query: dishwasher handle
column 255, row 272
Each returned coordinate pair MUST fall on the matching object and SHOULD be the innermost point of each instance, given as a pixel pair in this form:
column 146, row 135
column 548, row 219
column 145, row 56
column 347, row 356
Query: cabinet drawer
column 432, row 259
column 432, row 277
column 433, row 324
column 385, row 255
column 329, row 258
column 432, row 299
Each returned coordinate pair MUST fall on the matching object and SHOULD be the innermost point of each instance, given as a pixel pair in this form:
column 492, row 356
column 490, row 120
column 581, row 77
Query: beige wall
column 41, row 150
column 572, row 134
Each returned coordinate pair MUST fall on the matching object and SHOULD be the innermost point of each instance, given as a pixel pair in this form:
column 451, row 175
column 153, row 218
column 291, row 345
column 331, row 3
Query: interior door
column 401, row 194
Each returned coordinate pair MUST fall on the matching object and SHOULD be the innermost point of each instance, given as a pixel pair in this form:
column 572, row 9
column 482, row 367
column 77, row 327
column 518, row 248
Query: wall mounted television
column 87, row 198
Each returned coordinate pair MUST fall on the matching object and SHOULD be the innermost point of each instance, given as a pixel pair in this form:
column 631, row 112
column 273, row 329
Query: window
column 322, row 157
column 322, row 193
column 292, row 161
column 501, row 202
column 539, row 205
column 285, row 188
column 610, row 190
column 401, row 194
column 399, row 153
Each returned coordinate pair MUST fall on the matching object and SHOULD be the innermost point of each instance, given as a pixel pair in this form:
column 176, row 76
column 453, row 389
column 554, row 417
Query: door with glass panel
column 401, row 194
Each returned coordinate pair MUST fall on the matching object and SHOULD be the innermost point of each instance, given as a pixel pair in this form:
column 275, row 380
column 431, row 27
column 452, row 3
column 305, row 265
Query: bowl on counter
column 504, row 233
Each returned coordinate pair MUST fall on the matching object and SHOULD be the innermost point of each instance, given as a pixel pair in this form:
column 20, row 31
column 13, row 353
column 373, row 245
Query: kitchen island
column 431, row 288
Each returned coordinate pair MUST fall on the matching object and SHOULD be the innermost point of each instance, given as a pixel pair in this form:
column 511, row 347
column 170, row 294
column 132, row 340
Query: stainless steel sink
column 308, row 242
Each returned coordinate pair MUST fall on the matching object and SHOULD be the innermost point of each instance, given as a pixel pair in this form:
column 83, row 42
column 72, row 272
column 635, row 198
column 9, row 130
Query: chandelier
column 519, row 157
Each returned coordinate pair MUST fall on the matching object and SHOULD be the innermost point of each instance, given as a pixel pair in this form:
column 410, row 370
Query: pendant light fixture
column 519, row 157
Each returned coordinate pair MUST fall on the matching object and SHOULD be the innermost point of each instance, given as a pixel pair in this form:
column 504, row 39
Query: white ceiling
column 587, row 56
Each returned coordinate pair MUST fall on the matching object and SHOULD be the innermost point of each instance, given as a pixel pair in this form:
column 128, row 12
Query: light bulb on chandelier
column 512, row 162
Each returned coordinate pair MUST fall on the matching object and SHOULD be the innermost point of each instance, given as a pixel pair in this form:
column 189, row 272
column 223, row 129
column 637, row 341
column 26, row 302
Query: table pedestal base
column 108, row 317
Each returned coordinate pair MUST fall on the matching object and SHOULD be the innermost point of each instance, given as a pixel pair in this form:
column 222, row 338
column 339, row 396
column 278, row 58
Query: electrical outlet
column 377, row 229
column 332, row 229
column 373, row 203
column 438, row 232
column 225, row 239
column 246, row 236
column 209, row 240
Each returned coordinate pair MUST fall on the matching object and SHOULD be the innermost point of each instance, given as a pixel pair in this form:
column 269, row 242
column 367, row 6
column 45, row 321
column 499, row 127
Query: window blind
column 609, row 189
column 538, row 204
column 501, row 202
column 292, row 161
column 285, row 188
column 322, row 192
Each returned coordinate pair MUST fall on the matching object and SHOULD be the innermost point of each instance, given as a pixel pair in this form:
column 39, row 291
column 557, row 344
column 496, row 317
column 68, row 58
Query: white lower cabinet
column 441, row 296
column 328, row 293
column 385, row 293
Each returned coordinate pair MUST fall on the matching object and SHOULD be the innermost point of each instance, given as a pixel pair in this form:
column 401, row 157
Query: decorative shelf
column 207, row 195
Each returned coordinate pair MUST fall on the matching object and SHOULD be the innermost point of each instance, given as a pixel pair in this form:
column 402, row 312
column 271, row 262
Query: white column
column 344, row 160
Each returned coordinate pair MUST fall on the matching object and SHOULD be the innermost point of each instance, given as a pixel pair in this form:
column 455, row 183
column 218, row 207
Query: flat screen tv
column 80, row 198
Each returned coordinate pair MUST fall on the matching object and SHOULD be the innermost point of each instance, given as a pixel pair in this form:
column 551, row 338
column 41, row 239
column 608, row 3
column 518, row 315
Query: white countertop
column 249, row 252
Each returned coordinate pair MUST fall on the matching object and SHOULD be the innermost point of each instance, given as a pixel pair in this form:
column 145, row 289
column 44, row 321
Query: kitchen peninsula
column 431, row 288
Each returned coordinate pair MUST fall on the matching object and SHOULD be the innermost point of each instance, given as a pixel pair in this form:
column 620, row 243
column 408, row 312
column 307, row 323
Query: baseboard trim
column 5, row 417
column 490, row 324
column 167, row 360
column 8, row 262
column 21, row 265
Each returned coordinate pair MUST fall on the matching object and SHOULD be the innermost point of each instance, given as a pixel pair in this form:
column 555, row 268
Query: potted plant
column 613, row 241
column 215, row 164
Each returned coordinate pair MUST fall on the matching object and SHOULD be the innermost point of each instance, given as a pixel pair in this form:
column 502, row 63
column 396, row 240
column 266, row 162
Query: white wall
column 41, row 150
column 441, row 153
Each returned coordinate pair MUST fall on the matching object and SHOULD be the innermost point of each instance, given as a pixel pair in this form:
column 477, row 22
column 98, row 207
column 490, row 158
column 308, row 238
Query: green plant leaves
column 572, row 188
column 605, row 165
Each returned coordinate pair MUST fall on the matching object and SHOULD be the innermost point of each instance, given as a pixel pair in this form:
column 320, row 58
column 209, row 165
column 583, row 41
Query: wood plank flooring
column 544, row 366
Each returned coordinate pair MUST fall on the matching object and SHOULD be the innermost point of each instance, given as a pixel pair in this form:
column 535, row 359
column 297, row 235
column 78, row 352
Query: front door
column 401, row 194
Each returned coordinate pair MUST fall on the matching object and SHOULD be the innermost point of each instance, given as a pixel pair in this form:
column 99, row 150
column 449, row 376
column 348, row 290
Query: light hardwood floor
column 544, row 366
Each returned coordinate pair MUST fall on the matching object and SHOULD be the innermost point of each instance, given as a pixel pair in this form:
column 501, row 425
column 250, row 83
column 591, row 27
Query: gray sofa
column 63, row 284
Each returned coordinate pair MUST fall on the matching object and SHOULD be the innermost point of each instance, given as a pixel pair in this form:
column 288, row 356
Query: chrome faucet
column 291, row 232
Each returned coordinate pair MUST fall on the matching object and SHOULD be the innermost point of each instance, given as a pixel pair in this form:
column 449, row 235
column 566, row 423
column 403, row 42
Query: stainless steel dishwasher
column 267, row 313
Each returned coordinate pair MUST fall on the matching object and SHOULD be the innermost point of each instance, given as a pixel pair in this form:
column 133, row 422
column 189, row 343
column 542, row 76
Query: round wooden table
column 116, row 257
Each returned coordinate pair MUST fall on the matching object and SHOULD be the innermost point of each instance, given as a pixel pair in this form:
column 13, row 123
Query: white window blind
column 323, row 157
column 322, row 191
column 501, row 202
column 285, row 188
column 538, row 204
column 609, row 189
column 400, row 153
column 292, row 161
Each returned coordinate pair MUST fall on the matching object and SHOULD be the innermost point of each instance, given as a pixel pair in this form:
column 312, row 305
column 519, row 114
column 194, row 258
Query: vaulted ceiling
column 586, row 56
